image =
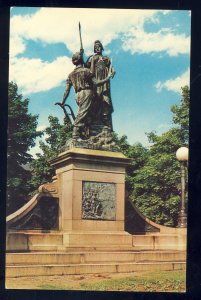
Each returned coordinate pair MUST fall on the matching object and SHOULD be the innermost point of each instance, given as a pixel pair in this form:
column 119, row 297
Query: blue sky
column 150, row 51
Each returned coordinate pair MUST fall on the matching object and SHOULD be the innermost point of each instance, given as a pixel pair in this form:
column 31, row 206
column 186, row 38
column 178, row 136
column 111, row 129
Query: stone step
column 30, row 241
column 93, row 257
column 90, row 268
column 159, row 242
column 63, row 248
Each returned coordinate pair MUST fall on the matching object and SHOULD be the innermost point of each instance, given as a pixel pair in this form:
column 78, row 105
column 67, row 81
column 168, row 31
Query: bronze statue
column 101, row 66
column 83, row 82
column 92, row 126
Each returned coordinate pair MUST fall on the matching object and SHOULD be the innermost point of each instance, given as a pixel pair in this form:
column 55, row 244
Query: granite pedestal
column 91, row 186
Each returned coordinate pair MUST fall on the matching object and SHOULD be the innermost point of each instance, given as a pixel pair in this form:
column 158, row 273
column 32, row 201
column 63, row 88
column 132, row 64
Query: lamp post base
column 182, row 219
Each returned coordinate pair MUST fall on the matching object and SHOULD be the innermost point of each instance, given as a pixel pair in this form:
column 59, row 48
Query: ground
column 161, row 281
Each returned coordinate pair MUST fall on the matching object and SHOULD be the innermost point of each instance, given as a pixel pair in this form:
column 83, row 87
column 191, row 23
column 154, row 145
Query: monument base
column 54, row 253
column 88, row 198
column 91, row 186
column 31, row 241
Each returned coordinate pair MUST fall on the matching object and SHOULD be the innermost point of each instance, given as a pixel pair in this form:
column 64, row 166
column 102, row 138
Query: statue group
column 92, row 126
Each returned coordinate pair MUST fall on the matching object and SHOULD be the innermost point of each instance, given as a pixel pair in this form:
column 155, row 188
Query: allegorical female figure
column 101, row 66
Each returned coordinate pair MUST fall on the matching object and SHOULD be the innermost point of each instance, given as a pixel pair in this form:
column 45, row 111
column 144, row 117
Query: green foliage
column 21, row 137
column 138, row 155
column 56, row 137
column 156, row 186
column 152, row 179
column 181, row 115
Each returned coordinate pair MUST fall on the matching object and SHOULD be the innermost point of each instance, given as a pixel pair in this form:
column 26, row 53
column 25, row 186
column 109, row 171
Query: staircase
column 67, row 254
column 90, row 262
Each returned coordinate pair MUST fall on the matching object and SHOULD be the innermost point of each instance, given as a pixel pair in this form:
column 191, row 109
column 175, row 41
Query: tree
column 152, row 179
column 181, row 115
column 56, row 137
column 138, row 155
column 156, row 188
column 21, row 137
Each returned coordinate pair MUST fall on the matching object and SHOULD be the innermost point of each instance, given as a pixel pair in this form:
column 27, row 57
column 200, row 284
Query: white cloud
column 60, row 25
column 174, row 84
column 35, row 75
column 41, row 127
column 17, row 46
column 54, row 25
column 139, row 41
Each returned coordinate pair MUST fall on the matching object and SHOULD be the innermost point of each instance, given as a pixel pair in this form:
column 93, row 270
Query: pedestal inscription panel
column 98, row 201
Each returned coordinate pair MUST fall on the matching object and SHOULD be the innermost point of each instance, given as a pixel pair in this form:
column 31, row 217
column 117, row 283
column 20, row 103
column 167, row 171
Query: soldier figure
column 83, row 81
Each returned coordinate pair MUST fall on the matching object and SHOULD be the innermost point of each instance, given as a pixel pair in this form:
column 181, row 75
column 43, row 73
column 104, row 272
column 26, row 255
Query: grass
column 51, row 287
column 163, row 281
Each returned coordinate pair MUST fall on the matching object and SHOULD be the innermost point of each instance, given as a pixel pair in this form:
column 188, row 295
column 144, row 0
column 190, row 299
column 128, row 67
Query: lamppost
column 182, row 156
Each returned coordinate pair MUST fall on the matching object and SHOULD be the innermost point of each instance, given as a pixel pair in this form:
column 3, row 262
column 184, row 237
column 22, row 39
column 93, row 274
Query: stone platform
column 77, row 224
column 37, row 241
column 92, row 262
column 50, row 254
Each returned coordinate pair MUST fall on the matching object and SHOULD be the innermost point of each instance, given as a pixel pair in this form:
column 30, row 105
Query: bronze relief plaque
column 98, row 201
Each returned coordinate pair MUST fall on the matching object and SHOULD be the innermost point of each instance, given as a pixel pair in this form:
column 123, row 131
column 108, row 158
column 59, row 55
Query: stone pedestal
column 91, row 190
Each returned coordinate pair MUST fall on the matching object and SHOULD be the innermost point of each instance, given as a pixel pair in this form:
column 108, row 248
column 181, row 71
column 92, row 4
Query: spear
column 81, row 45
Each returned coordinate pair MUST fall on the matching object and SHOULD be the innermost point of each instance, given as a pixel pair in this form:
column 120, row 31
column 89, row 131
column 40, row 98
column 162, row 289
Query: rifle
column 68, row 120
